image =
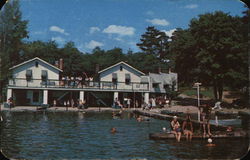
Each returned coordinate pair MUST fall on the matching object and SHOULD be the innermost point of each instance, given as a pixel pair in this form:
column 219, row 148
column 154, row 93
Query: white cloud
column 169, row 32
column 119, row 39
column 150, row 13
column 38, row 32
column 191, row 6
column 94, row 29
column 59, row 40
column 159, row 22
column 58, row 29
column 92, row 44
column 120, row 30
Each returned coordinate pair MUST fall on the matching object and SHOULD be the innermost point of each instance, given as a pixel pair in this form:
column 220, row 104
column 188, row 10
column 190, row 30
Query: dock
column 196, row 123
column 216, row 135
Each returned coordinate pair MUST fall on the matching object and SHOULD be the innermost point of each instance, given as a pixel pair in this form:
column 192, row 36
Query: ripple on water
column 76, row 136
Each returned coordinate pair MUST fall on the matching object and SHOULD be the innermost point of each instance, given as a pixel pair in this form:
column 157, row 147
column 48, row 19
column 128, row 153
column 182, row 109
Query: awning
column 29, row 73
column 165, row 82
column 114, row 75
column 44, row 73
column 154, row 81
column 127, row 76
column 144, row 79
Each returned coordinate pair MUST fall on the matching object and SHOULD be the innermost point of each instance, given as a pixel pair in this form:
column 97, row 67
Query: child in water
column 210, row 144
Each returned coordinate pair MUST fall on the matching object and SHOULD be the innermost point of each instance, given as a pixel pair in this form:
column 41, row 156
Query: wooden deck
column 196, row 123
column 216, row 135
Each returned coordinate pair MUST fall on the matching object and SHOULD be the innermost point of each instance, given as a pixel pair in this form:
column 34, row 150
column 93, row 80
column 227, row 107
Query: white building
column 28, row 77
column 37, row 82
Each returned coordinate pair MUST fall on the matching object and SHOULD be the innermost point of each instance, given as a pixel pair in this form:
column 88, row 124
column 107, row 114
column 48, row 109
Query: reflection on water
column 87, row 136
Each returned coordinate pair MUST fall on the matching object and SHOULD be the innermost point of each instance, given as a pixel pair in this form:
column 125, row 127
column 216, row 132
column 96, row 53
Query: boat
column 216, row 135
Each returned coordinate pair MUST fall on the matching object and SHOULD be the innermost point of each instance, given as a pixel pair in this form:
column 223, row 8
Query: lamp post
column 197, row 85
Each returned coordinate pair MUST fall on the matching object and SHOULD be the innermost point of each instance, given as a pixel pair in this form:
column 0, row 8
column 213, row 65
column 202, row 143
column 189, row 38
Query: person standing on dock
column 187, row 128
column 205, row 117
column 176, row 128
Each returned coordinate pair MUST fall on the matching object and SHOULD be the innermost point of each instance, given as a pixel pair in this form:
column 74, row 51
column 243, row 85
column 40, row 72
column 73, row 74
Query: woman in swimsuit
column 187, row 128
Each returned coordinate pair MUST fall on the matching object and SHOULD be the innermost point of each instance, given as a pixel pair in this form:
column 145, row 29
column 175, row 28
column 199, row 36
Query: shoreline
column 176, row 108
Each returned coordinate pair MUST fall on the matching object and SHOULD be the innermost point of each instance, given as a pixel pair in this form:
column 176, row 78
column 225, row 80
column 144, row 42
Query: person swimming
column 113, row 130
column 210, row 144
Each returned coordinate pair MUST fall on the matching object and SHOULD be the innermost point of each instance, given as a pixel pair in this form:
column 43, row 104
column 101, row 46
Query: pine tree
column 154, row 42
column 12, row 31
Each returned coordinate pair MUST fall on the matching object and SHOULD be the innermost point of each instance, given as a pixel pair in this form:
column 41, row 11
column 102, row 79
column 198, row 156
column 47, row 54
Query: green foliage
column 12, row 31
column 154, row 42
column 212, row 51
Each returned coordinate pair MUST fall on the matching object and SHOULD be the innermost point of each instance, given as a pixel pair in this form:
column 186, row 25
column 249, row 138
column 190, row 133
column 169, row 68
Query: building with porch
column 35, row 82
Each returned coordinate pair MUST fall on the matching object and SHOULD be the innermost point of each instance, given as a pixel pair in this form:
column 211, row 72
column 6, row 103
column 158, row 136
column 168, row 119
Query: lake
column 77, row 135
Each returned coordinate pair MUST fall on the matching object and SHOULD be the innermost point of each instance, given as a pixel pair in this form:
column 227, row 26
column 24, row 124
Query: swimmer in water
column 113, row 130
column 210, row 144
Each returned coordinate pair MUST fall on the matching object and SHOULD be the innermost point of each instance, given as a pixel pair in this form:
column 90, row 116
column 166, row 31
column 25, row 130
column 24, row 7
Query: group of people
column 155, row 101
column 80, row 104
column 186, row 128
column 77, row 81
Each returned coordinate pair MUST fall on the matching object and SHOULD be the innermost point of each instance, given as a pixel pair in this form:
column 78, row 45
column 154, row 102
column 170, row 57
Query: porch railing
column 102, row 85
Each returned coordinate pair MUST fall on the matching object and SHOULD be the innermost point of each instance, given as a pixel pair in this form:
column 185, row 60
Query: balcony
column 76, row 84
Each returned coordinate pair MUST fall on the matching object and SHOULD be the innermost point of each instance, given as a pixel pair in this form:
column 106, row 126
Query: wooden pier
column 216, row 135
column 196, row 123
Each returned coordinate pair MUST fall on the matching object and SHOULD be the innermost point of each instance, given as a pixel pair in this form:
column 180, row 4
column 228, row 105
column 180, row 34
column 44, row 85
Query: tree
column 154, row 42
column 214, row 50
column 47, row 51
column 72, row 60
column 12, row 31
column 183, row 49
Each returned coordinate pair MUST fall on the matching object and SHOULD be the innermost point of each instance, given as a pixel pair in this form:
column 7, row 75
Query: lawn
column 207, row 92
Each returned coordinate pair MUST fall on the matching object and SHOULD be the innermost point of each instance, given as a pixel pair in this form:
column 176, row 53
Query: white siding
column 20, row 72
column 107, row 75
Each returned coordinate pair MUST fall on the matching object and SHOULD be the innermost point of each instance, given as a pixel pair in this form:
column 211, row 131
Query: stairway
column 99, row 99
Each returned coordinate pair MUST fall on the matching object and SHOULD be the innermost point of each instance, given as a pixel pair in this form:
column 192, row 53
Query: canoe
column 216, row 135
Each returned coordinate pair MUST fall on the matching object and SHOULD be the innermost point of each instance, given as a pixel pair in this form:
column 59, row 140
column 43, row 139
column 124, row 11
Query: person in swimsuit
column 176, row 128
column 187, row 128
column 205, row 117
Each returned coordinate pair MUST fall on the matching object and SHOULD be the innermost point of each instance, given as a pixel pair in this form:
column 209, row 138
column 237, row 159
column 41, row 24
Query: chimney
column 61, row 64
column 57, row 64
column 97, row 68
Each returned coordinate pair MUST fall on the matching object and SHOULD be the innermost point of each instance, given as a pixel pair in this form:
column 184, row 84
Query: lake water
column 73, row 135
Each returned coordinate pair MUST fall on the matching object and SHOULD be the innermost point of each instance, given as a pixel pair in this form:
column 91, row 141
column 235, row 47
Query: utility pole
column 197, row 85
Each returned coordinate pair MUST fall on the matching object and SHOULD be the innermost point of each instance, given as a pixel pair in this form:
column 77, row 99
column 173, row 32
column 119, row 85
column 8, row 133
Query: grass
column 193, row 92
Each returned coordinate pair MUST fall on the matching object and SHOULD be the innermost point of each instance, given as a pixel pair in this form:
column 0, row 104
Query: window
column 35, row 96
column 127, row 78
column 44, row 75
column 155, row 85
column 114, row 77
column 121, row 68
column 36, row 64
column 28, row 75
column 166, row 86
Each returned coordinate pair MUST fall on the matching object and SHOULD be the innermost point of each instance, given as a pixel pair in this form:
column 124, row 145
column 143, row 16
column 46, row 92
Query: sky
column 113, row 23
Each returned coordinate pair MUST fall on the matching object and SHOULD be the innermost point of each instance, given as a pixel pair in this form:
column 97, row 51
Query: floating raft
column 196, row 123
column 217, row 135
